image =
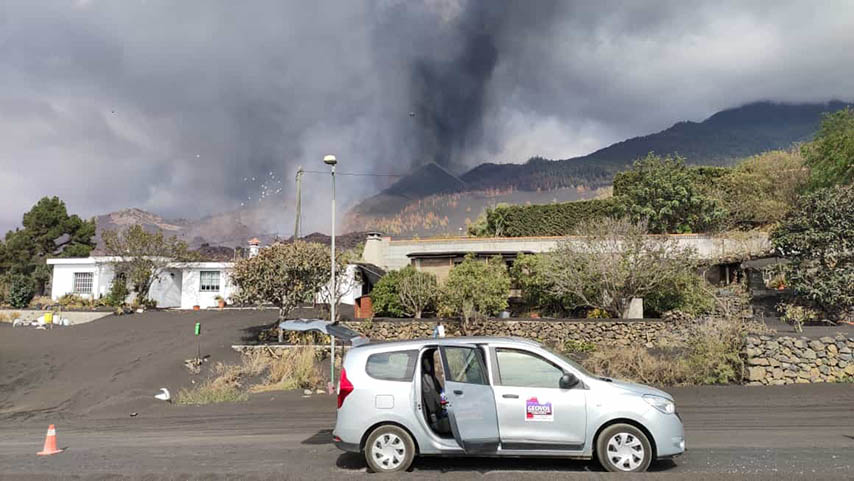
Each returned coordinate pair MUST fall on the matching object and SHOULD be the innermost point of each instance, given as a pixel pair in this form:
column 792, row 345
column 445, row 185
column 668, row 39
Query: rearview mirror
column 568, row 381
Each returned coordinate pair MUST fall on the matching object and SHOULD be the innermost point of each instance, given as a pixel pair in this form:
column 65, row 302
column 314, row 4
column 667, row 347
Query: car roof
column 443, row 341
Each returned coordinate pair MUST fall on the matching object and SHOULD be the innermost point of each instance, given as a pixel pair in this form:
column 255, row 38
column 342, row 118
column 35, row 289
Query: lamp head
column 330, row 160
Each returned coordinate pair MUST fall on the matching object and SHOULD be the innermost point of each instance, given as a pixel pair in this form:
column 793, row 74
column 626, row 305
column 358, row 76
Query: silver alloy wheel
column 625, row 451
column 388, row 451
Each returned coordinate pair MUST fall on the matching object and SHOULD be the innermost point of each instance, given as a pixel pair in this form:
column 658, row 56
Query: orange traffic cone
column 49, row 443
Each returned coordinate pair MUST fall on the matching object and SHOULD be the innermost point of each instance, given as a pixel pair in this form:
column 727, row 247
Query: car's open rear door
column 342, row 333
column 471, row 405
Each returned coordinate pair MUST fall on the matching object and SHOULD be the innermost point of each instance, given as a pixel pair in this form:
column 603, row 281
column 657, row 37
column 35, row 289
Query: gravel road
column 733, row 432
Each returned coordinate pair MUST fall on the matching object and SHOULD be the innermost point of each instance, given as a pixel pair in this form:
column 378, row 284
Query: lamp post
column 331, row 161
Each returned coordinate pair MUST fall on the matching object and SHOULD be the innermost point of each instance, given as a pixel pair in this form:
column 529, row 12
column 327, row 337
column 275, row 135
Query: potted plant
column 220, row 301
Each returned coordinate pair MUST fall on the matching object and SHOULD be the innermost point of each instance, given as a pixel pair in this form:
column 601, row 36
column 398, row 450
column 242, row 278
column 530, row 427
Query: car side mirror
column 568, row 381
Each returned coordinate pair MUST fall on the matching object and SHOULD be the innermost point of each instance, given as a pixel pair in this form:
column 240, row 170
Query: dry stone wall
column 599, row 332
column 790, row 360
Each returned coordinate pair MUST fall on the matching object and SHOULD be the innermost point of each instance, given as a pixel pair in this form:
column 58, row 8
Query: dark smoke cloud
column 168, row 106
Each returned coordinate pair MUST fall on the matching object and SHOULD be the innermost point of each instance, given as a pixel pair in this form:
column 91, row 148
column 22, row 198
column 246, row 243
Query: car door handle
column 510, row 396
column 458, row 392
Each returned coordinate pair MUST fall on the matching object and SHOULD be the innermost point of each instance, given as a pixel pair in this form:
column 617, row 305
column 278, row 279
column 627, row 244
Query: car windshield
column 572, row 363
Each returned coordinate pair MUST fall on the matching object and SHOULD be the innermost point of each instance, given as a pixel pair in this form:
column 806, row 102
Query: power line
column 360, row 174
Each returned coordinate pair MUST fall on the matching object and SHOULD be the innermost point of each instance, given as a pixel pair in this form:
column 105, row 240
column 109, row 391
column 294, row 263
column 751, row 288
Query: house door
column 471, row 404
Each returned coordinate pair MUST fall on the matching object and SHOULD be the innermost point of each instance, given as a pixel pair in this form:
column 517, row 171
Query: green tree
column 760, row 190
column 417, row 291
column 611, row 261
column 818, row 238
column 475, row 288
column 385, row 298
column 283, row 275
column 830, row 156
column 47, row 231
column 142, row 256
column 664, row 192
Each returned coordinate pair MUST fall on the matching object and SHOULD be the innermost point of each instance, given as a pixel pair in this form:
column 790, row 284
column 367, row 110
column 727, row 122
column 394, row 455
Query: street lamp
column 331, row 161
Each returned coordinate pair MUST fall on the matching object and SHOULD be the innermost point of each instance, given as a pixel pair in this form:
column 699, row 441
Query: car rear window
column 392, row 366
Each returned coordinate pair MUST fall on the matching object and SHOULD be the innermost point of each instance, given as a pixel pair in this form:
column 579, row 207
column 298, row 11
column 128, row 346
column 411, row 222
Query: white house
column 182, row 285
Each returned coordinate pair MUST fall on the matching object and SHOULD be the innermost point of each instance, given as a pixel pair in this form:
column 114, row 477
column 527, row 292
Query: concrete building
column 439, row 256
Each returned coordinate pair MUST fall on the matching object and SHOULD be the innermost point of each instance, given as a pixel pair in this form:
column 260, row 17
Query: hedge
column 547, row 219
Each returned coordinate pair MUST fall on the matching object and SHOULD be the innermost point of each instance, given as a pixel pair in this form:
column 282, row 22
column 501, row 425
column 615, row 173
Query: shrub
column 684, row 291
column 528, row 274
column 225, row 386
column 475, row 288
column 613, row 261
column 635, row 363
column 797, row 315
column 385, row 298
column 295, row 369
column 818, row 238
column 41, row 302
column 21, row 291
column 72, row 301
column 118, row 292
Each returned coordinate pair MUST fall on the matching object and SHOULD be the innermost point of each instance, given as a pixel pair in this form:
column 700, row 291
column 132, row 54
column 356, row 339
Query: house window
column 83, row 282
column 209, row 281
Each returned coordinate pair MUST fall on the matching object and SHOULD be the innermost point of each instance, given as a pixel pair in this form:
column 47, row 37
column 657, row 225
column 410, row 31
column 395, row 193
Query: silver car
column 491, row 396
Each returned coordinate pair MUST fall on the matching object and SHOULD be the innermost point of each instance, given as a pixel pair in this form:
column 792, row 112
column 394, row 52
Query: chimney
column 254, row 246
column 375, row 247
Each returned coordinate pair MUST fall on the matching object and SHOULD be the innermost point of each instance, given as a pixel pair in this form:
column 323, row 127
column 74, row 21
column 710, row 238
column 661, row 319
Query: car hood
column 635, row 388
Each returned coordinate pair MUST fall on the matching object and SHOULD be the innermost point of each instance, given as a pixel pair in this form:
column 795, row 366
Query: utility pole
column 299, row 203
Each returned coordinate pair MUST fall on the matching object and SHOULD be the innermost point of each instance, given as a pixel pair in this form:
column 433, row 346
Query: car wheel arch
column 371, row 429
column 630, row 422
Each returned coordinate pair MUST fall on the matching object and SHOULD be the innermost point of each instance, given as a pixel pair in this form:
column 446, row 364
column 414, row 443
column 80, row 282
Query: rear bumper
column 349, row 447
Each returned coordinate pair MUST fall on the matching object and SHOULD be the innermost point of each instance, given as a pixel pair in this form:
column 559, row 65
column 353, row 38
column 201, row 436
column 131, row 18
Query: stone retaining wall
column 790, row 360
column 552, row 332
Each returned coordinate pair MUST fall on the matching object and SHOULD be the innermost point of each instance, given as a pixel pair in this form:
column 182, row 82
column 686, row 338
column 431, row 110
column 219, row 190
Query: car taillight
column 345, row 387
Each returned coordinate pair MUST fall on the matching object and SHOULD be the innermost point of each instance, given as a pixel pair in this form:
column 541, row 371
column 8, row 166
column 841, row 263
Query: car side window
column 524, row 369
column 392, row 366
column 464, row 365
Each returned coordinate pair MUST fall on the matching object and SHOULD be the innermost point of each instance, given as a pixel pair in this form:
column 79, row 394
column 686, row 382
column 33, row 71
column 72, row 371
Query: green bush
column 384, row 297
column 475, row 288
column 685, row 291
column 21, row 291
column 529, row 275
column 818, row 238
column 118, row 292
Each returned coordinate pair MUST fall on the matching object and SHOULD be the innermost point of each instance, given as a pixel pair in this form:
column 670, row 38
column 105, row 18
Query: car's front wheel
column 623, row 447
column 389, row 449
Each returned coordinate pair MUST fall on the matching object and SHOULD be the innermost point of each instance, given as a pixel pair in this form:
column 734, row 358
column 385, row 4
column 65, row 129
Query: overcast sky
column 169, row 105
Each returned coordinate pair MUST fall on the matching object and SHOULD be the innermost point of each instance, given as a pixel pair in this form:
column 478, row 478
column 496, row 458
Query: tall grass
column 295, row 368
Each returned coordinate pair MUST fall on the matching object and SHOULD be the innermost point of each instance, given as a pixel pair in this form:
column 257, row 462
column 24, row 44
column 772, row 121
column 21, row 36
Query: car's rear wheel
column 389, row 449
column 623, row 447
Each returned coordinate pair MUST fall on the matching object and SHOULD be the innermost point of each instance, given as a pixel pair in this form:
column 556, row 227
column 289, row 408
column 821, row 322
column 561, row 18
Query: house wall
column 62, row 281
column 439, row 267
column 350, row 289
column 192, row 296
column 166, row 290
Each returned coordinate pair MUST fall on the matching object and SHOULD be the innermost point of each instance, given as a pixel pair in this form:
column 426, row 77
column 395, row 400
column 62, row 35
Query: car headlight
column 662, row 404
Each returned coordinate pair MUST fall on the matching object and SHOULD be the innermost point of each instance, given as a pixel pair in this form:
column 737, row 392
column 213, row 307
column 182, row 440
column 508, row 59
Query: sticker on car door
column 538, row 411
